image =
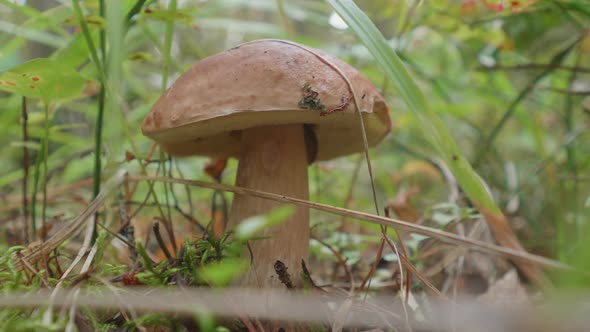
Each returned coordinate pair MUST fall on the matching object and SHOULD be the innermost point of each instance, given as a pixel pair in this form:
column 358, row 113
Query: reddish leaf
column 215, row 168
column 495, row 5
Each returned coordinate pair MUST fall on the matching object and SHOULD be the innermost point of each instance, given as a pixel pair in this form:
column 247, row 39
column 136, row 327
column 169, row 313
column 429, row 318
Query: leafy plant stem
column 99, row 120
column 45, row 172
column 165, row 68
column 168, row 45
column 89, row 41
column 41, row 160
column 36, row 177
column 101, row 102
column 26, row 162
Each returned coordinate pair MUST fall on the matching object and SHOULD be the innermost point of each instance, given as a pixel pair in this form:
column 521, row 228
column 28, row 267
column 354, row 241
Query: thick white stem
column 274, row 159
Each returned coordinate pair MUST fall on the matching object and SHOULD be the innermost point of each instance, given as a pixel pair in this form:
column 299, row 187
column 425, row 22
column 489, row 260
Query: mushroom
column 277, row 106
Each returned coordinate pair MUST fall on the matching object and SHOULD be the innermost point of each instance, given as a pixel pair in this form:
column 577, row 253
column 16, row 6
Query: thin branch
column 534, row 66
column 569, row 91
column 160, row 240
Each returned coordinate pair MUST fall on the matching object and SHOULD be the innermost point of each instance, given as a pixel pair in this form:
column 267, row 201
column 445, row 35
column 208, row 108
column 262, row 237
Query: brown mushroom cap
column 261, row 83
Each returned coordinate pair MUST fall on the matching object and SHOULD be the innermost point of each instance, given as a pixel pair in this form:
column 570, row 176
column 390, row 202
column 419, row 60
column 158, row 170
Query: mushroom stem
column 273, row 159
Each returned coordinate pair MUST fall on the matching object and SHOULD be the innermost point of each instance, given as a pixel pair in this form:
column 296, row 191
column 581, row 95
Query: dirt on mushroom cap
column 266, row 82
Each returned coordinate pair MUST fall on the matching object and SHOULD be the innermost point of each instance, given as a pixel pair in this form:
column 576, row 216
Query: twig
column 188, row 195
column 422, row 278
column 32, row 269
column 307, row 276
column 404, row 253
column 127, row 230
column 373, row 268
column 569, row 91
column 88, row 239
column 533, row 66
column 167, row 189
column 160, row 241
column 405, row 296
column 84, row 271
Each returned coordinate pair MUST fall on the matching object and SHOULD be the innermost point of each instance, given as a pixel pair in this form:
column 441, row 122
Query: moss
column 311, row 99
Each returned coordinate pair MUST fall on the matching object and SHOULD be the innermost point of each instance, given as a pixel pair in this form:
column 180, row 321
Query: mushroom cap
column 261, row 83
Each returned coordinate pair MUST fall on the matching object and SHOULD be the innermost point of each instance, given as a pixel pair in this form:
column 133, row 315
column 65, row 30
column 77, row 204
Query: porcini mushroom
column 277, row 106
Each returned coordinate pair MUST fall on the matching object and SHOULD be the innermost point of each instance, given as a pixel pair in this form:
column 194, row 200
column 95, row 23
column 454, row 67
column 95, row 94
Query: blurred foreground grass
column 509, row 83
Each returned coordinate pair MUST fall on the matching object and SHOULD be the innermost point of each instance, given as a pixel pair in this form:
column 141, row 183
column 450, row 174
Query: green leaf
column 43, row 79
column 32, row 34
column 221, row 273
column 166, row 15
column 75, row 53
column 248, row 228
column 141, row 57
column 94, row 20
column 431, row 125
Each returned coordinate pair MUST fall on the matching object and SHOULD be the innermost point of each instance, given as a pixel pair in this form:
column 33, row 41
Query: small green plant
column 311, row 99
column 200, row 262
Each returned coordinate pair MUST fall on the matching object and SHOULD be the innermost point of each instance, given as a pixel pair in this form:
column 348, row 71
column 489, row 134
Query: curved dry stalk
column 48, row 315
column 355, row 99
column 35, row 252
column 399, row 224
column 404, row 289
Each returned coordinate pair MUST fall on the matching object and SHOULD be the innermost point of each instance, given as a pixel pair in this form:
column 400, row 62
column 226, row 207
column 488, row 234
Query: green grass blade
column 32, row 34
column 168, row 46
column 432, row 126
column 89, row 40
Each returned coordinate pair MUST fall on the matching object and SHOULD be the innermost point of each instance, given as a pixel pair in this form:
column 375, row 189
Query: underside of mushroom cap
column 262, row 83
